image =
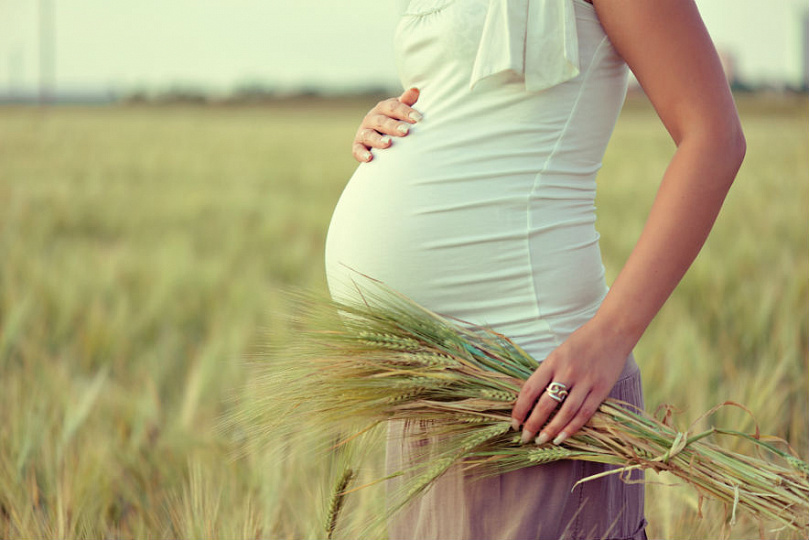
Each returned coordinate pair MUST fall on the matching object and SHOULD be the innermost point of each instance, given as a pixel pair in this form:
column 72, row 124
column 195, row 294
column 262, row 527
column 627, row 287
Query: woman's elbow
column 727, row 148
column 719, row 139
column 736, row 147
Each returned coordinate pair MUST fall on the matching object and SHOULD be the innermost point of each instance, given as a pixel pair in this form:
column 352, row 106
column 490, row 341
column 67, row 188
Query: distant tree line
column 260, row 93
column 249, row 94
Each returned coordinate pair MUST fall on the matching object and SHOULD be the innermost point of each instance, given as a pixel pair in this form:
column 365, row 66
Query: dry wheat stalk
column 387, row 358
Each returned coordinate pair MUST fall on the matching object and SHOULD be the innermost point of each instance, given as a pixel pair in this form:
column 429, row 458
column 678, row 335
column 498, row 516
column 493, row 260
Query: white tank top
column 485, row 210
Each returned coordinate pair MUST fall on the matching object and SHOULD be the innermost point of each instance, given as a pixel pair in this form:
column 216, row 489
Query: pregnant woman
column 484, row 211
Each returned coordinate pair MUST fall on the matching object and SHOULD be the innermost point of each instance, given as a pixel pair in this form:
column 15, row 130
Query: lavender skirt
column 535, row 503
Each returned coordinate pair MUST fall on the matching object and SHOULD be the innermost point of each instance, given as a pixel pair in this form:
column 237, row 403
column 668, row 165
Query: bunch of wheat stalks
column 387, row 358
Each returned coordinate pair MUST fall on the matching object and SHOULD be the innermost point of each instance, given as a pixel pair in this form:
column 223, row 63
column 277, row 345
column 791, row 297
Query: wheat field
column 144, row 255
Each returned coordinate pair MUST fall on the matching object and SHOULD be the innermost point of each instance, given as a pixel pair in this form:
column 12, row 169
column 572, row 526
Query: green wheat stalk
column 386, row 358
column 337, row 502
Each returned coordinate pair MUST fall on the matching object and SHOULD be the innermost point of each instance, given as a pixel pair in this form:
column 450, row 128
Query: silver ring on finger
column 557, row 391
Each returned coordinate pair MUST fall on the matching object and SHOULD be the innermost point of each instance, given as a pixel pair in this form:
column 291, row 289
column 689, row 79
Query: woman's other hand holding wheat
column 588, row 363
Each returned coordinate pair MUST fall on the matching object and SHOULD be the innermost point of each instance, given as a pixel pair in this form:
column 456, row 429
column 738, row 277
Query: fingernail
column 415, row 116
column 366, row 155
column 560, row 438
column 526, row 436
column 515, row 425
column 542, row 439
column 385, row 139
column 404, row 129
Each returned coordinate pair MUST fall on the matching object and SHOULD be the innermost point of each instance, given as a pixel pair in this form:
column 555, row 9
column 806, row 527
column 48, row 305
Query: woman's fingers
column 371, row 138
column 385, row 125
column 402, row 108
column 582, row 416
column 409, row 96
column 529, row 394
column 569, row 409
column 585, row 366
column 545, row 408
column 365, row 139
column 544, row 418
column 389, row 118
column 361, row 152
column 551, row 420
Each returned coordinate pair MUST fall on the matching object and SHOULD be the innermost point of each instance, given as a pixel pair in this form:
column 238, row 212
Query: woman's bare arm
column 668, row 48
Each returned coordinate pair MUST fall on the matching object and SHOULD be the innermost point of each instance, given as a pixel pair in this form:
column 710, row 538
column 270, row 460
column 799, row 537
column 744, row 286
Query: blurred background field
column 144, row 251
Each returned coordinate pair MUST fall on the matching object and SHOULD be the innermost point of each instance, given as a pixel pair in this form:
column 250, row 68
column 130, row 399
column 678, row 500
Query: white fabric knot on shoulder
column 534, row 38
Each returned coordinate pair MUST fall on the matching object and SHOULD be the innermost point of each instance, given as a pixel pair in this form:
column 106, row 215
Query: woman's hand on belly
column 588, row 364
column 389, row 118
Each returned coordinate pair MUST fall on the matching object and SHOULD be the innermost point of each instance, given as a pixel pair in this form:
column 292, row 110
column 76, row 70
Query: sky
column 219, row 45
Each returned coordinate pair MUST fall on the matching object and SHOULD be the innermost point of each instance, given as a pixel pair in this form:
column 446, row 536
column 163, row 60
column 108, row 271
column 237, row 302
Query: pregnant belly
column 465, row 237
